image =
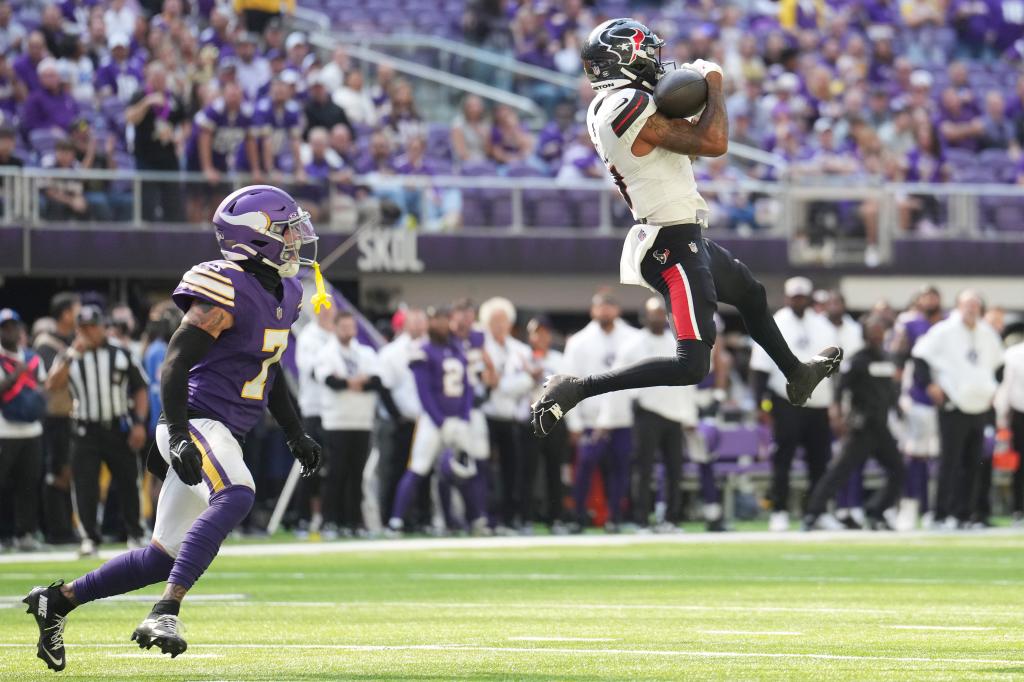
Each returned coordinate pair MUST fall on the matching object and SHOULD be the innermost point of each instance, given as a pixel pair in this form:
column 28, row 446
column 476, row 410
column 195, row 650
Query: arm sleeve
column 283, row 410
column 185, row 349
column 336, row 383
column 210, row 283
column 421, row 372
column 922, row 372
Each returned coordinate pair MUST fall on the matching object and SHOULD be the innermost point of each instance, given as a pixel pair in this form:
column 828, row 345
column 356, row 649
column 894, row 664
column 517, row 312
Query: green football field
column 740, row 606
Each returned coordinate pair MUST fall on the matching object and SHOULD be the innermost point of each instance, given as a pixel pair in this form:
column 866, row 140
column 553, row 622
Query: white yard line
column 941, row 628
column 147, row 598
column 449, row 648
column 561, row 639
column 753, row 633
column 568, row 541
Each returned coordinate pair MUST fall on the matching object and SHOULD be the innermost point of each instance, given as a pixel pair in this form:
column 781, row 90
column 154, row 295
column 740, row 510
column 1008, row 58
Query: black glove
column 186, row 461
column 307, row 452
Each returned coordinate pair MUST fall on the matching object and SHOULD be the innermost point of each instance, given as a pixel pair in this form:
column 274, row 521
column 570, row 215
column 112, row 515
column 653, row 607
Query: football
column 681, row 93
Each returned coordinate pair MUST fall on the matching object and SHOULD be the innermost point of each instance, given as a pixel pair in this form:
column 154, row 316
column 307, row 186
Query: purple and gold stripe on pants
column 213, row 473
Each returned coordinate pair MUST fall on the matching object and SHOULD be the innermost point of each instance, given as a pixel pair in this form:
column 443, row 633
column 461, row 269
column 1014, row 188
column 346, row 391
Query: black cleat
column 43, row 603
column 811, row 373
column 561, row 393
column 878, row 523
column 163, row 631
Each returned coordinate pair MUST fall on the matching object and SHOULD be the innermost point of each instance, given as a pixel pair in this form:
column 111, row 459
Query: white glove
column 455, row 433
column 704, row 67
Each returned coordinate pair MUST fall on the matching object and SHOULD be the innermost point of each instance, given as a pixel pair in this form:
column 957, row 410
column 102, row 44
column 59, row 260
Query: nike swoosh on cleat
column 55, row 660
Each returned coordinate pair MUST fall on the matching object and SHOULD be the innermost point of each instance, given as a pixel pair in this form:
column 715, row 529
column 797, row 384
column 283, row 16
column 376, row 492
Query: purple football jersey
column 441, row 380
column 915, row 329
column 230, row 130
column 233, row 381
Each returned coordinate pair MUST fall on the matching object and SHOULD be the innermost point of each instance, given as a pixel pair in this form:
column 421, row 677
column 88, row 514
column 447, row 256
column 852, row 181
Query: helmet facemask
column 293, row 234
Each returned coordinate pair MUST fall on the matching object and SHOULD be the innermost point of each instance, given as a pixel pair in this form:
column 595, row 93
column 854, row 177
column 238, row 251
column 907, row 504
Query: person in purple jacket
column 279, row 124
column 442, row 382
column 219, row 376
column 50, row 106
column 26, row 67
column 218, row 132
column 120, row 76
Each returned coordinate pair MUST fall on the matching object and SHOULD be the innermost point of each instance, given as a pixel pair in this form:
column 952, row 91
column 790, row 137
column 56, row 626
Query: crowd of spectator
column 866, row 90
column 646, row 461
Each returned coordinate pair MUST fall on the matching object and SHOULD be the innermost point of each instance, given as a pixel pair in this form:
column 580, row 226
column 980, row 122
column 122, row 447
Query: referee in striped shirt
column 109, row 413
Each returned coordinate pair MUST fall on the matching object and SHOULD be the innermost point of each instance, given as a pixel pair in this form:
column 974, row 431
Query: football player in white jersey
column 649, row 157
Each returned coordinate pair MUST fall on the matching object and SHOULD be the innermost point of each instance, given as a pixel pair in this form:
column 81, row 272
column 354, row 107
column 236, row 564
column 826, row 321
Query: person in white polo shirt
column 310, row 340
column 1009, row 403
column 660, row 414
column 805, row 331
column 957, row 360
column 602, row 424
column 506, row 407
column 350, row 377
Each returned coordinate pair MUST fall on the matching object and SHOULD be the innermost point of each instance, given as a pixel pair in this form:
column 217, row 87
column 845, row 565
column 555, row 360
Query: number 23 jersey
column 231, row 384
column 659, row 187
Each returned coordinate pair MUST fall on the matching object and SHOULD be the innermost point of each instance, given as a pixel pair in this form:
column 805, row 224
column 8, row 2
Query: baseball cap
column 296, row 38
column 118, row 40
column 604, row 298
column 9, row 315
column 798, row 286
column 921, row 79
column 539, row 322
column 90, row 314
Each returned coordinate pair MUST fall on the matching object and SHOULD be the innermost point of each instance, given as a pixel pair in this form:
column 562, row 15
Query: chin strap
column 321, row 299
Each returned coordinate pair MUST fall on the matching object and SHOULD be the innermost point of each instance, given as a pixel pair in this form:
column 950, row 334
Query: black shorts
column 693, row 274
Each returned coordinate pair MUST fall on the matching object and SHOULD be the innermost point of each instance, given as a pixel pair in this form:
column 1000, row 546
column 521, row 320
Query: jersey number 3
column 620, row 182
column 274, row 341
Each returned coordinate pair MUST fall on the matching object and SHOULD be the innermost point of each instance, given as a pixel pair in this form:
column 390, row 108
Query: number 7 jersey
column 659, row 187
column 231, row 384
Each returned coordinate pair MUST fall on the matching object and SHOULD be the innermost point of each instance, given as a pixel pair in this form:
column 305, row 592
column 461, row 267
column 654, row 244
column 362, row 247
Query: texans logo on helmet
column 638, row 40
column 661, row 255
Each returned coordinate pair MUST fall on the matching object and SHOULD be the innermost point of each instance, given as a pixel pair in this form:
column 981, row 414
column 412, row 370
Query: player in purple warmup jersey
column 919, row 440
column 218, row 378
column 442, row 382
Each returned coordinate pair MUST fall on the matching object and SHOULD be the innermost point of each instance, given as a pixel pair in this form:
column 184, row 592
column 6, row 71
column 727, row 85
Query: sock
column 762, row 328
column 406, row 493
column 708, row 487
column 124, row 573
column 166, row 607
column 691, row 364
column 228, row 507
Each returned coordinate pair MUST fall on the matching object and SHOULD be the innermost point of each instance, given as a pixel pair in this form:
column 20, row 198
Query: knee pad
column 694, row 359
column 232, row 505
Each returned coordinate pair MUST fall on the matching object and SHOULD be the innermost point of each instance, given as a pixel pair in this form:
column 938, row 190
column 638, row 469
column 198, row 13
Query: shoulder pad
column 212, row 281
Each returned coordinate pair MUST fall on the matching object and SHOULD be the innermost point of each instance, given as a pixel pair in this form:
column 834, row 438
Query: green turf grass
column 861, row 609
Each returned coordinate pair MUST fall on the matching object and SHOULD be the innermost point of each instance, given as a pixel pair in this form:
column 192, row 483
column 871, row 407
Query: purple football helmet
column 264, row 223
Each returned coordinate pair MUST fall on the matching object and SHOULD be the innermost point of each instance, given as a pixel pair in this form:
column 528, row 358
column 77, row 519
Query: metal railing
column 809, row 215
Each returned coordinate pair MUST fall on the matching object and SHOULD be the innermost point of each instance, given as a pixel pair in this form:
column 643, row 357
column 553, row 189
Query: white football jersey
column 659, row 187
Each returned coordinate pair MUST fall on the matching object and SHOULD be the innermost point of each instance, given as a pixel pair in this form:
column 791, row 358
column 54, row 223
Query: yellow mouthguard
column 321, row 299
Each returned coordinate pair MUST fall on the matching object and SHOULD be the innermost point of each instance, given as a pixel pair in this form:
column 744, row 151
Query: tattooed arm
column 203, row 323
column 708, row 137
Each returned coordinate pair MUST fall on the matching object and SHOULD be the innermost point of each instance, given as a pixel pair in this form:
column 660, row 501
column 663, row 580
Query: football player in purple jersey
column 217, row 380
column 442, row 382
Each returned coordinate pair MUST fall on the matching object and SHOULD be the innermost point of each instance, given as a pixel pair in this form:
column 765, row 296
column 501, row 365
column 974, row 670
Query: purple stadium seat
column 1009, row 215
column 43, row 140
column 546, row 208
column 523, row 170
column 475, row 168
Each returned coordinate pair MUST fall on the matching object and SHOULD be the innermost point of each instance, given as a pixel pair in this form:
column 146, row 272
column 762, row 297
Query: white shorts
column 427, row 445
column 920, row 431
column 179, row 504
column 479, row 446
